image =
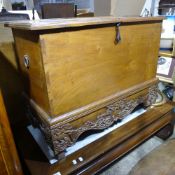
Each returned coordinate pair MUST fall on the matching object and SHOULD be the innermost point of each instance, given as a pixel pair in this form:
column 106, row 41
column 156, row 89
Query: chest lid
column 45, row 24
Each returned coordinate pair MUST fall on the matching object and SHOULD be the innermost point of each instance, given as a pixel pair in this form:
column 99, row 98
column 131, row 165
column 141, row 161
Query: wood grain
column 84, row 66
column 33, row 78
column 74, row 73
column 73, row 68
column 110, row 147
column 10, row 77
column 9, row 161
column 128, row 145
column 85, row 110
column 117, row 137
column 75, row 22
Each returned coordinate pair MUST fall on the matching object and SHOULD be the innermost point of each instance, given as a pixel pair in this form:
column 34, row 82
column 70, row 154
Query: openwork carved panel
column 62, row 136
column 152, row 95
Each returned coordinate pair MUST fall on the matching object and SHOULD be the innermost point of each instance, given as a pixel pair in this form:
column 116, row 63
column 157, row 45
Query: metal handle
column 26, row 61
column 118, row 36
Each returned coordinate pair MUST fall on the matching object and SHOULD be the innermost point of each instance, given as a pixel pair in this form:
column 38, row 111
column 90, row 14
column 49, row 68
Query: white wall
column 83, row 3
column 1, row 4
column 151, row 6
column 121, row 8
column 86, row 4
column 92, row 5
column 147, row 6
column 102, row 7
column 6, row 4
column 156, row 5
column 118, row 8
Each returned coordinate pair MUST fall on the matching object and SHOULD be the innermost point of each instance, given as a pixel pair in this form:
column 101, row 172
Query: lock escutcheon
column 26, row 61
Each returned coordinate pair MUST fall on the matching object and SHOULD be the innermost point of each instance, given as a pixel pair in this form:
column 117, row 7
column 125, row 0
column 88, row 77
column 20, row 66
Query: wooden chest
column 84, row 74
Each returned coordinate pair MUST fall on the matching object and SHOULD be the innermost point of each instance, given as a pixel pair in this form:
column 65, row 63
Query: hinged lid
column 75, row 22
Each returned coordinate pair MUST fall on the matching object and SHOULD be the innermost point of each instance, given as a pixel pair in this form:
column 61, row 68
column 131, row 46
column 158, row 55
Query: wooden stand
column 97, row 155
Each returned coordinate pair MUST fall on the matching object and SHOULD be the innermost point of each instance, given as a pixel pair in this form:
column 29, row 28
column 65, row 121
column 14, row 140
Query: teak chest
column 85, row 74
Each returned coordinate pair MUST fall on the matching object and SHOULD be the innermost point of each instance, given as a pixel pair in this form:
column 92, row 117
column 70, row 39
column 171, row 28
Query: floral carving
column 152, row 96
column 62, row 136
column 122, row 108
column 66, row 135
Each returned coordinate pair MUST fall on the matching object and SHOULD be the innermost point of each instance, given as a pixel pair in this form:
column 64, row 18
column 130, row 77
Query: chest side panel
column 26, row 43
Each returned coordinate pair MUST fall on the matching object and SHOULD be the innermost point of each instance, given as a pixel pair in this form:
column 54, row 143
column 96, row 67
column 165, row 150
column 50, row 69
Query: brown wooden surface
column 110, row 147
column 68, row 129
column 77, row 68
column 166, row 132
column 57, row 10
column 131, row 143
column 91, row 67
column 75, row 74
column 93, row 115
column 10, row 77
column 33, row 78
column 76, row 22
column 117, row 137
column 85, row 14
column 9, row 161
column 88, row 109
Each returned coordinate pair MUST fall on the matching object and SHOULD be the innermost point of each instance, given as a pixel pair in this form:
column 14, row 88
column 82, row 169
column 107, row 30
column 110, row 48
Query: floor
column 124, row 166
